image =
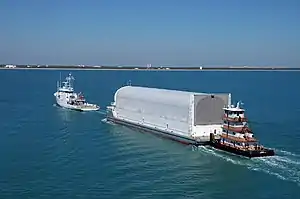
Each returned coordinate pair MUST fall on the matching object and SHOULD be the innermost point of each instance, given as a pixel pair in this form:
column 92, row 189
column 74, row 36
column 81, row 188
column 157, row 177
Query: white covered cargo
column 187, row 114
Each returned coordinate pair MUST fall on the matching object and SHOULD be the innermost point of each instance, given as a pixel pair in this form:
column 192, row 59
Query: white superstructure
column 66, row 97
column 189, row 115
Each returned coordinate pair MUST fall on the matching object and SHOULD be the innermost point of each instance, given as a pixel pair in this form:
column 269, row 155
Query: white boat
column 66, row 96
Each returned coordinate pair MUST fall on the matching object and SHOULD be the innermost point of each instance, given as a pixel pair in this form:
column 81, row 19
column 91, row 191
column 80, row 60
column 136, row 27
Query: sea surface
column 50, row 152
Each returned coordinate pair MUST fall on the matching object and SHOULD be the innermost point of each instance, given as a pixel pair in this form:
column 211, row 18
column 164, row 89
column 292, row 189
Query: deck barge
column 187, row 117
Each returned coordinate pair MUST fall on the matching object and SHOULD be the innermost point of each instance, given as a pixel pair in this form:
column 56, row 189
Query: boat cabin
column 78, row 99
column 235, row 128
column 234, row 114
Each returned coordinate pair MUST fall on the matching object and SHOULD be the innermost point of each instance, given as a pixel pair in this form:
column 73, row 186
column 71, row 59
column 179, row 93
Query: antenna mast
column 59, row 79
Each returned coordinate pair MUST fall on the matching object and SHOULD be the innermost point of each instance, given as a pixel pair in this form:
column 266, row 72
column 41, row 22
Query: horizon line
column 151, row 66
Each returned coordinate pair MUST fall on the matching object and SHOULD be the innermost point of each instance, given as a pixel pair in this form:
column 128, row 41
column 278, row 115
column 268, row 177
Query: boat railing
column 244, row 148
column 234, row 118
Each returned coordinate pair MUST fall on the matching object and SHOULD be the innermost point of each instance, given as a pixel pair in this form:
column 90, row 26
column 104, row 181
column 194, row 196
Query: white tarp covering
column 168, row 109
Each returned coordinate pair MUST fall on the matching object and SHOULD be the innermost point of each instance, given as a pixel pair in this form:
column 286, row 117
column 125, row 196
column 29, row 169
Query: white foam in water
column 107, row 122
column 286, row 160
column 223, row 156
column 285, row 166
column 288, row 153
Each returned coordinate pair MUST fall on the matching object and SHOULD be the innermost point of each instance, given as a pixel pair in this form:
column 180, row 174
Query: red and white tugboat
column 237, row 137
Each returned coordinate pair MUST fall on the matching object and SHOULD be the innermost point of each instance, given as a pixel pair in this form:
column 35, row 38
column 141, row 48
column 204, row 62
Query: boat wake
column 101, row 112
column 107, row 122
column 285, row 165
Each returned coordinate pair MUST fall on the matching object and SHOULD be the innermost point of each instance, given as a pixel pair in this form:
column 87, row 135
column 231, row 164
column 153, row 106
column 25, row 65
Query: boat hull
column 190, row 141
column 81, row 109
column 249, row 154
column 64, row 104
column 178, row 138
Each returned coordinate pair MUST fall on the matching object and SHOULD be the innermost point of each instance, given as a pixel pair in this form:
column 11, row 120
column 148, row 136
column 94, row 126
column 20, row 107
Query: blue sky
column 163, row 32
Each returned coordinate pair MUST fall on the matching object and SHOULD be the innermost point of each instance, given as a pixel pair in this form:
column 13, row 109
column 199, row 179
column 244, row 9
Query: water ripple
column 285, row 165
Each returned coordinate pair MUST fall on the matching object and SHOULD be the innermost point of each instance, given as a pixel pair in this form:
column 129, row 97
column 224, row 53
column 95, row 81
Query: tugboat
column 66, row 97
column 237, row 137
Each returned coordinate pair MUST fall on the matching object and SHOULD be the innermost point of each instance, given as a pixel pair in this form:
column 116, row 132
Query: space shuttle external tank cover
column 170, row 110
column 160, row 108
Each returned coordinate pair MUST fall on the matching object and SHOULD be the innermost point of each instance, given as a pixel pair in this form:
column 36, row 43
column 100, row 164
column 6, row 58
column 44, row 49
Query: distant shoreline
column 127, row 68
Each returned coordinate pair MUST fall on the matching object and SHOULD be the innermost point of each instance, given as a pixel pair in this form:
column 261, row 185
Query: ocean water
column 50, row 152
